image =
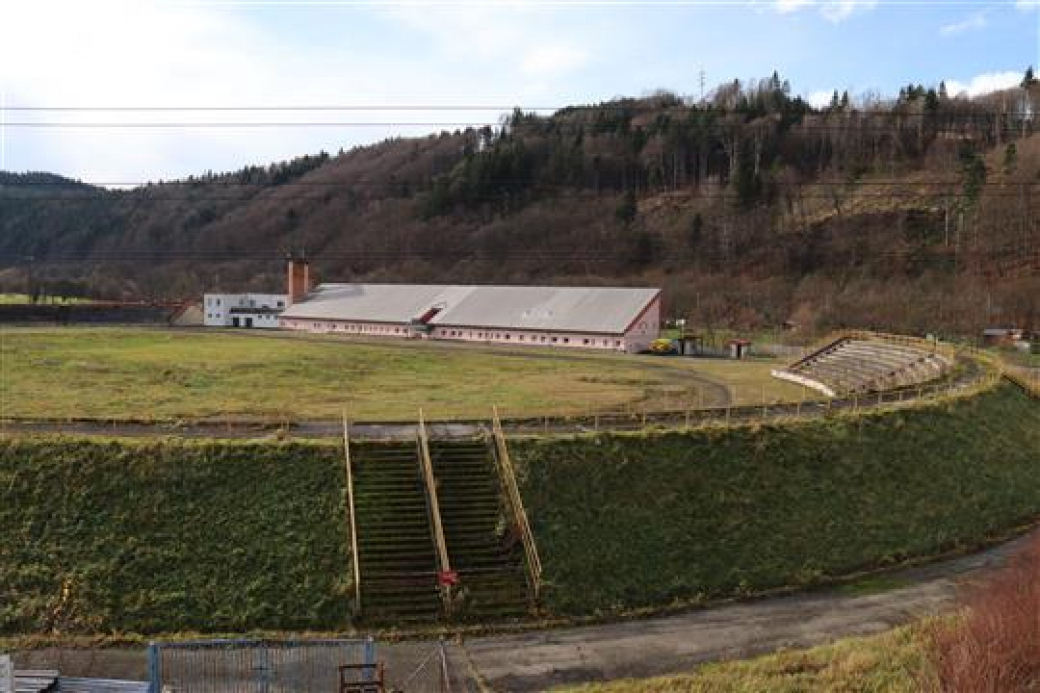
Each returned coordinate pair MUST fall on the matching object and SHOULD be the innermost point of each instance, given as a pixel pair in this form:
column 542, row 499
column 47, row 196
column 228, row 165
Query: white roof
column 601, row 310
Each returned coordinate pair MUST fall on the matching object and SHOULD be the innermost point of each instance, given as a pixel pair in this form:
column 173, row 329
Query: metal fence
column 255, row 666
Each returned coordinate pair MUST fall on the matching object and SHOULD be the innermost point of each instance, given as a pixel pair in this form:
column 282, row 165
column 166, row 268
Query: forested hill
column 751, row 208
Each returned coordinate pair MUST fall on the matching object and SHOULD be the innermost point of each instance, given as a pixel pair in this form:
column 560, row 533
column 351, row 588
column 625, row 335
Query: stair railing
column 355, row 558
column 445, row 577
column 515, row 504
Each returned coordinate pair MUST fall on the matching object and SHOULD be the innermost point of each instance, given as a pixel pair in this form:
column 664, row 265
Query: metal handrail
column 443, row 562
column 516, row 504
column 355, row 557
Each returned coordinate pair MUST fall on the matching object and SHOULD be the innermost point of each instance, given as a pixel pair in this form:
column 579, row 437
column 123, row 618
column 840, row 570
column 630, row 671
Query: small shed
column 739, row 348
column 689, row 344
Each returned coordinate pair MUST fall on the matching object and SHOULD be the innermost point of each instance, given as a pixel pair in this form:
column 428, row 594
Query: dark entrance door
column 234, row 322
column 249, row 322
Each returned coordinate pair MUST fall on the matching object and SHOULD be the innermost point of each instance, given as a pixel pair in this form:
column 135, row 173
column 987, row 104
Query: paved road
column 674, row 644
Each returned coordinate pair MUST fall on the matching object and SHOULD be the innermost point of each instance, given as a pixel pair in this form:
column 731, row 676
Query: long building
column 611, row 318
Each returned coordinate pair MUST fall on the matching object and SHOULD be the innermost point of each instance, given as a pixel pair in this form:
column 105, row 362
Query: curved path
column 678, row 643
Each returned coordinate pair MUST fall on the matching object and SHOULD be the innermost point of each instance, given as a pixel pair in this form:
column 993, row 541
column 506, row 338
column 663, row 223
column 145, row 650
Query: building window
column 566, row 340
column 585, row 341
column 554, row 339
column 281, row 304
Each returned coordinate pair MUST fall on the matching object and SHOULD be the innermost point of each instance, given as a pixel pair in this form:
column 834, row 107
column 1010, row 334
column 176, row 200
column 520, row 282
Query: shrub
column 995, row 645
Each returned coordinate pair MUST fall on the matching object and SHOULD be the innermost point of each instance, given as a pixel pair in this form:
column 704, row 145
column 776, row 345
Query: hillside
column 750, row 208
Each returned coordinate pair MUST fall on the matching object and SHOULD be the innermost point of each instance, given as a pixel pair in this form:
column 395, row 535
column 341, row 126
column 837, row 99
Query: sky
column 399, row 59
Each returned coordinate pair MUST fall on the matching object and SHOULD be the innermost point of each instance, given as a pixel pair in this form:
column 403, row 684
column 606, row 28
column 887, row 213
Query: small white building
column 243, row 310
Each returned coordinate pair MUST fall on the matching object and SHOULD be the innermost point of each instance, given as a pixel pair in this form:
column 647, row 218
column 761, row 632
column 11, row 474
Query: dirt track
column 674, row 644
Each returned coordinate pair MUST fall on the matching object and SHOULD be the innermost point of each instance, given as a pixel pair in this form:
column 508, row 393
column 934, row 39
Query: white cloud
column 788, row 6
column 820, row 99
column 984, row 83
column 158, row 54
column 1027, row 4
column 973, row 22
column 119, row 53
column 549, row 60
column 834, row 11
column 840, row 10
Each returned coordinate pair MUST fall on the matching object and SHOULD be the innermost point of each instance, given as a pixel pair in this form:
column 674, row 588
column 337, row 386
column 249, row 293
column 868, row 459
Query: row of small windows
column 461, row 334
column 586, row 341
column 221, row 316
column 252, row 303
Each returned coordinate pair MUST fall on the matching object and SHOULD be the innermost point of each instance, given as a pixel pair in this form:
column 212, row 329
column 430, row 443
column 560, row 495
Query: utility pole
column 701, row 75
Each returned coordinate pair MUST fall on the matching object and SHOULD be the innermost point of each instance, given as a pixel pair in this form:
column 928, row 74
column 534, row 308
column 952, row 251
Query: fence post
column 369, row 659
column 154, row 669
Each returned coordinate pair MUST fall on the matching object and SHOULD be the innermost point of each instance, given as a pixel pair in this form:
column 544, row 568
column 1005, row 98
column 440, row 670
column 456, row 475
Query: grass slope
column 894, row 662
column 170, row 536
column 630, row 521
column 159, row 374
column 132, row 537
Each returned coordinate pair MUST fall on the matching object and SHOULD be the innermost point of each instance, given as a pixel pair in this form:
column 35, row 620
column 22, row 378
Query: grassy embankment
column 894, row 662
column 168, row 375
column 630, row 521
column 170, row 536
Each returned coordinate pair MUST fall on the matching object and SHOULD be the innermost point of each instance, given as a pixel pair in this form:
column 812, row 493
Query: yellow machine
column 662, row 346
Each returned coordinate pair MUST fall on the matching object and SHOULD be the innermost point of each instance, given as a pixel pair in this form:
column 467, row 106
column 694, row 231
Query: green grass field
column 113, row 373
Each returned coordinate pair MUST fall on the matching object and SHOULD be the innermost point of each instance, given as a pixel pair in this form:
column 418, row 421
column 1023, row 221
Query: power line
column 218, row 181
column 852, row 127
column 509, row 109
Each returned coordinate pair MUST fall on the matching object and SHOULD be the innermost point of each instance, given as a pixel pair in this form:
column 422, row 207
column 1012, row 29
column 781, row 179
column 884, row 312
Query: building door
column 234, row 322
column 249, row 322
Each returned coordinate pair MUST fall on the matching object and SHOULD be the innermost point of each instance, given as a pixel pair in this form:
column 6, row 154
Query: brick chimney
column 298, row 278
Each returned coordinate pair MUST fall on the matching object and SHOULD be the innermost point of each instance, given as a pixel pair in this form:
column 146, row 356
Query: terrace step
column 492, row 581
column 396, row 555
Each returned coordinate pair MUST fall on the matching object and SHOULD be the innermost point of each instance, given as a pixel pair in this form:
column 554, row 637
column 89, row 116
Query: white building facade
column 605, row 318
column 243, row 310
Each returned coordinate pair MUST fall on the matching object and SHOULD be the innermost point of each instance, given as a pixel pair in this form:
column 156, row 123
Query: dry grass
column 995, row 646
column 154, row 374
column 894, row 662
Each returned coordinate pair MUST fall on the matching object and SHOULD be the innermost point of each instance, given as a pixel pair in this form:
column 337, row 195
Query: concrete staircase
column 395, row 546
column 485, row 553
